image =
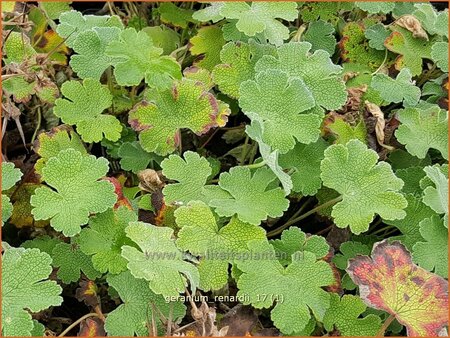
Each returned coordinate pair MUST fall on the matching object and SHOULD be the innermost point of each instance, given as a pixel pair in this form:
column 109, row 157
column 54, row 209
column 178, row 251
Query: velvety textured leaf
column 367, row 187
column 208, row 44
column 10, row 176
column 158, row 261
column 320, row 36
column 83, row 106
column 316, row 70
column 103, row 239
column 439, row 54
column 132, row 65
column 436, row 195
column 296, row 289
column 201, row 236
column 134, row 158
column 25, row 286
column 376, row 35
column 422, row 129
column 389, row 281
column 283, row 123
column 74, row 191
column 250, row 198
column 186, row 105
column 375, row 7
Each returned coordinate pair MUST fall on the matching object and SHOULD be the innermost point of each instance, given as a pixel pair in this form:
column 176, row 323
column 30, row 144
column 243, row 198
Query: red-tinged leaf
column 92, row 327
column 87, row 293
column 121, row 199
column 390, row 281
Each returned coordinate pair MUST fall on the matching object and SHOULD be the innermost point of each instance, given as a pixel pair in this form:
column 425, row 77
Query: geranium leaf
column 134, row 315
column 74, row 191
column 208, row 44
column 103, row 239
column 436, row 195
column 432, row 21
column 389, row 281
column 439, row 54
column 83, row 106
column 428, row 254
column 316, row 70
column 132, row 65
column 158, row 261
column 250, row 197
column 304, row 160
column 285, row 123
column 186, row 105
column 400, row 89
column 344, row 314
column 238, row 63
column 320, row 36
column 375, row 7
column 134, row 158
column 296, row 289
column 172, row 14
column 376, row 35
column 25, row 286
column 365, row 185
column 422, row 129
column 217, row 247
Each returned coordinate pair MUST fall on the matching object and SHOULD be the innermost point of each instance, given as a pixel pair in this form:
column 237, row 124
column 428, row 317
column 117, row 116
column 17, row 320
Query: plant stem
column 382, row 64
column 38, row 125
column 244, row 150
column 255, row 165
column 386, row 324
column 303, row 216
column 382, row 229
column 78, row 321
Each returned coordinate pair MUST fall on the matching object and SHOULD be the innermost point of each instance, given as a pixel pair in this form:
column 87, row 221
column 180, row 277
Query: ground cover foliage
column 222, row 169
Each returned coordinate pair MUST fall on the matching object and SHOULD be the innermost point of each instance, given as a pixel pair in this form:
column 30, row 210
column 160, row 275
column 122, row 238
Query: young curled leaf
column 390, row 281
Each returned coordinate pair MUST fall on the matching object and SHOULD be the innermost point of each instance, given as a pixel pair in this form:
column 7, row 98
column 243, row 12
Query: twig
column 385, row 325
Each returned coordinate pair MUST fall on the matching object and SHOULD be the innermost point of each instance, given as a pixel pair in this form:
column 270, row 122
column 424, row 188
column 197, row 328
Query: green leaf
column 412, row 50
column 10, row 176
column 293, row 241
column 416, row 212
column 74, row 191
column 133, row 316
column 55, row 8
column 304, row 162
column 159, row 261
column 422, row 129
column 250, row 198
column 191, row 174
column 432, row 21
column 377, row 34
column 367, row 187
column 217, row 247
column 104, row 238
column 402, row 89
column 436, row 195
column 208, row 44
column 345, row 132
column 256, row 131
column 172, row 14
column 296, row 289
column 211, row 13
column 320, row 36
column 383, row 7
column 439, row 54
column 286, row 122
column 238, row 65
column 401, row 159
column 260, row 17
column 90, row 46
column 186, row 105
column 412, row 177
column 73, row 23
column 83, row 106
column 70, row 261
column 25, row 286
column 49, row 144
column 428, row 254
column 132, row 65
column 317, row 71
column 134, row 158
column 344, row 314
column 163, row 37
column 43, row 243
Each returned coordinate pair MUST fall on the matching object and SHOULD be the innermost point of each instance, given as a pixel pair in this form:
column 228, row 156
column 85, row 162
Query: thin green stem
column 78, row 321
column 38, row 125
column 244, row 150
column 255, row 165
column 382, row 64
column 382, row 229
column 303, row 216
column 385, row 325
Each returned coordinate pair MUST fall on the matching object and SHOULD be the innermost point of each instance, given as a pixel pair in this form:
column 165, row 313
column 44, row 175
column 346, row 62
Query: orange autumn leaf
column 391, row 282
